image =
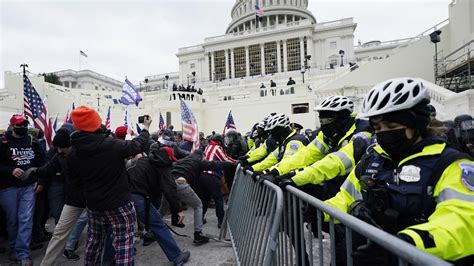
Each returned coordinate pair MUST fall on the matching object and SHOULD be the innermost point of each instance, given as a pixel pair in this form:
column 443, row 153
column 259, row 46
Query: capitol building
column 247, row 70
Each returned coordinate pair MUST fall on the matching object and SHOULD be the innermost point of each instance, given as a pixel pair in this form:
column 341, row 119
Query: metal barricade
column 251, row 220
column 266, row 227
column 326, row 249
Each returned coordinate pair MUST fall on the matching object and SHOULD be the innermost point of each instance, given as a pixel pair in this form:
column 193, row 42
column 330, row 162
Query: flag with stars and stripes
column 162, row 125
column 36, row 109
column 190, row 126
column 229, row 124
column 107, row 119
column 55, row 123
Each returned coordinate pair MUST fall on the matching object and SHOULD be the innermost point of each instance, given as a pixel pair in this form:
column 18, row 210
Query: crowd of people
column 394, row 166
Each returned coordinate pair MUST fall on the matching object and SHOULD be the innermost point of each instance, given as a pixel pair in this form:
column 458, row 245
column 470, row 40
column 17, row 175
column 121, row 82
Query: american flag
column 36, row 109
column 190, row 126
column 259, row 11
column 107, row 120
column 162, row 124
column 229, row 124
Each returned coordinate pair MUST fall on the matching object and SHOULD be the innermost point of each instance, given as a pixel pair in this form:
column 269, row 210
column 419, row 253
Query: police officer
column 333, row 153
column 288, row 142
column 264, row 144
column 410, row 183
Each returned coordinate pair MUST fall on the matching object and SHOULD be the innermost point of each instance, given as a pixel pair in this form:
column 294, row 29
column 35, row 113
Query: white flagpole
column 79, row 60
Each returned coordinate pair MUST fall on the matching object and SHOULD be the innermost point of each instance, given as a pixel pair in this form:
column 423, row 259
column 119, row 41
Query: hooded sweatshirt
column 96, row 160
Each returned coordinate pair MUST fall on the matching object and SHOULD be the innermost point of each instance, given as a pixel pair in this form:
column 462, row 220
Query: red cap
column 121, row 132
column 170, row 153
column 17, row 119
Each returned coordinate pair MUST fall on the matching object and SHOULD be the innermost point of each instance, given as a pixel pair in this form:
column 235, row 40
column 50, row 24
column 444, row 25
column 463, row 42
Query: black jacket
column 192, row 166
column 97, row 161
column 56, row 169
column 149, row 177
column 22, row 153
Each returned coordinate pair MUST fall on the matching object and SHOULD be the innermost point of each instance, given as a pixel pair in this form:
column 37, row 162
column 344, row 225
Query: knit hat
column 121, row 132
column 62, row 138
column 86, row 119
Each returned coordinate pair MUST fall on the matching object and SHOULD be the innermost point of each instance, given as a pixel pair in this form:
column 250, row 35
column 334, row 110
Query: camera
column 141, row 119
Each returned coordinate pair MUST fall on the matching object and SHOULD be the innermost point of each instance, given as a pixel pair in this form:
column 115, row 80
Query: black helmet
column 461, row 118
column 218, row 138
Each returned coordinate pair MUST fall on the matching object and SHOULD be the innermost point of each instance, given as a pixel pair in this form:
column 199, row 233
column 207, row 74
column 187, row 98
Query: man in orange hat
column 96, row 161
column 19, row 155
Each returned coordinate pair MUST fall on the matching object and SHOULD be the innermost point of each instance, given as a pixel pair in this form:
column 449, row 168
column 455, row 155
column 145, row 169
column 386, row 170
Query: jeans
column 158, row 227
column 77, row 231
column 187, row 195
column 211, row 188
column 66, row 222
column 18, row 204
column 56, row 199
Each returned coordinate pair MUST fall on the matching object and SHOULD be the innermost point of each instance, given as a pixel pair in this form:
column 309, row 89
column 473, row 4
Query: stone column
column 278, row 57
column 247, row 63
column 286, row 19
column 232, row 64
column 302, row 51
column 268, row 21
column 213, row 70
column 262, row 58
column 285, row 57
column 226, row 63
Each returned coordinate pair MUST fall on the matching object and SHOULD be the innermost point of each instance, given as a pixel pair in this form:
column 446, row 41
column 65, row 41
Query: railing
column 266, row 226
column 456, row 58
column 251, row 219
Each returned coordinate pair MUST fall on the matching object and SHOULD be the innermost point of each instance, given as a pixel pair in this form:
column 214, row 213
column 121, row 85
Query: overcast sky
column 140, row 38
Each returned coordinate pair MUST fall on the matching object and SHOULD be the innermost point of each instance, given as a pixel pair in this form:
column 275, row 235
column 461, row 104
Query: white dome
column 244, row 10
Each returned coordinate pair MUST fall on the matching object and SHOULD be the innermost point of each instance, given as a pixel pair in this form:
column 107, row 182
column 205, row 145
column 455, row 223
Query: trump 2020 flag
column 130, row 94
column 162, row 125
column 229, row 124
column 190, row 126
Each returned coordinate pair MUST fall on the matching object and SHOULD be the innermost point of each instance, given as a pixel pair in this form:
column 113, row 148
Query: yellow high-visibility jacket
column 451, row 225
column 324, row 162
column 289, row 147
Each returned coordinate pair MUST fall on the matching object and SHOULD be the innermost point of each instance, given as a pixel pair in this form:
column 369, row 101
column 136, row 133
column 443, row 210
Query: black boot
column 175, row 222
column 200, row 239
column 219, row 224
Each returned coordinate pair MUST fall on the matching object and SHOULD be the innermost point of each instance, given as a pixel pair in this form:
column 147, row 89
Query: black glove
column 247, row 168
column 243, row 160
column 254, row 175
column 286, row 182
column 279, row 178
column 265, row 177
column 274, row 172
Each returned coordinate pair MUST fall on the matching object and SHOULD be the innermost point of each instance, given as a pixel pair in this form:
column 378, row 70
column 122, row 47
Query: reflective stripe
column 345, row 160
column 350, row 188
column 449, row 193
column 320, row 146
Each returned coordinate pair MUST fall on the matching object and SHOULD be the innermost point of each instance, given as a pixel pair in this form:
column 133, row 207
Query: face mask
column 395, row 143
column 21, row 131
column 280, row 133
column 330, row 130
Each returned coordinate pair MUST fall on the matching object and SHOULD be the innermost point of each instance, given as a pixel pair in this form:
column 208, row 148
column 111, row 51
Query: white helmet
column 267, row 117
column 394, row 95
column 335, row 104
column 278, row 120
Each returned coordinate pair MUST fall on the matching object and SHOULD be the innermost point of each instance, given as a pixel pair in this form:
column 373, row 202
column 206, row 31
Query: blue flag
column 139, row 130
column 130, row 94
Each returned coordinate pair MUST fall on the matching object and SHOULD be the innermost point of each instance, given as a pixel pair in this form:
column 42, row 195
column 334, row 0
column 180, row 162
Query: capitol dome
column 276, row 12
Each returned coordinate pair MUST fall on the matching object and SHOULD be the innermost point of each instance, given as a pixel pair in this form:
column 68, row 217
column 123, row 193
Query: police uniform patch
column 467, row 175
column 294, row 146
column 410, row 173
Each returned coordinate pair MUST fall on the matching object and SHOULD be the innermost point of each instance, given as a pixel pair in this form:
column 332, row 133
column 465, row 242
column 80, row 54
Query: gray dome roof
column 244, row 10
